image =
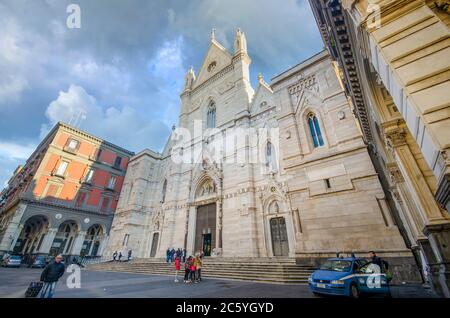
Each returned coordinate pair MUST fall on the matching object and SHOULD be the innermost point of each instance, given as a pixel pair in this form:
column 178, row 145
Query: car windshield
column 336, row 266
column 16, row 257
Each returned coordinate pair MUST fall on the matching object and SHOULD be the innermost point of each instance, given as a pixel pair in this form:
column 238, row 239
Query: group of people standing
column 192, row 269
column 118, row 256
column 172, row 254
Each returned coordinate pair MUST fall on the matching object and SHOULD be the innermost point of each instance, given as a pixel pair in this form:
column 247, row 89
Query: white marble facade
column 319, row 198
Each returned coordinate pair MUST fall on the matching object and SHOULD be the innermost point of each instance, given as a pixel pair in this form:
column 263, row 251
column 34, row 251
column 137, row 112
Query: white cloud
column 12, row 60
column 14, row 151
column 167, row 70
column 168, row 60
column 124, row 127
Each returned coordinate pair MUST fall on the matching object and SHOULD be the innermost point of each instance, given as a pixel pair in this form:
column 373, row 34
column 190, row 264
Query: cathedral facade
column 297, row 180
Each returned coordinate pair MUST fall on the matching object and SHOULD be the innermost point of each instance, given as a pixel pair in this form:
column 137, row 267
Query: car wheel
column 354, row 291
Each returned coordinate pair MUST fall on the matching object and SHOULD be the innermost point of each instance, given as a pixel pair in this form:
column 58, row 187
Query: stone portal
column 279, row 236
column 205, row 234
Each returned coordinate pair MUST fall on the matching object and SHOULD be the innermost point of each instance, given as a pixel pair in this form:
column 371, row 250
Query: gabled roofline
column 300, row 66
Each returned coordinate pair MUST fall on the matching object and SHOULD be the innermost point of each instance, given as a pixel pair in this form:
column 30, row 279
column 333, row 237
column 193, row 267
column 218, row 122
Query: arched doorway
column 154, row 244
column 32, row 235
column 206, row 216
column 64, row 239
column 92, row 241
column 205, row 238
column 280, row 244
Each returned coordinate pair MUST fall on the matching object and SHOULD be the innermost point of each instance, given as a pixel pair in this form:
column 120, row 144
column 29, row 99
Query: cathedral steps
column 270, row 270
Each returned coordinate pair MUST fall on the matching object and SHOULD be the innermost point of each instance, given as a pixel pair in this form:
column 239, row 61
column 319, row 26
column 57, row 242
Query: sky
column 119, row 75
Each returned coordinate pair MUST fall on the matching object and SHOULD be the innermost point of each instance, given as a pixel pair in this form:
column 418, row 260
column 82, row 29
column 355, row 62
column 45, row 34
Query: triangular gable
column 262, row 100
column 216, row 59
column 168, row 146
column 306, row 97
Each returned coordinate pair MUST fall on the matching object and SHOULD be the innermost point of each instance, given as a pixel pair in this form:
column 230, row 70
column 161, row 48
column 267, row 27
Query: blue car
column 39, row 262
column 349, row 277
column 12, row 261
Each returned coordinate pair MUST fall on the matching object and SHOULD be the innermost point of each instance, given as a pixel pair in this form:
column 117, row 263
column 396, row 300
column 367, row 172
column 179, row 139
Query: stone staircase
column 268, row 270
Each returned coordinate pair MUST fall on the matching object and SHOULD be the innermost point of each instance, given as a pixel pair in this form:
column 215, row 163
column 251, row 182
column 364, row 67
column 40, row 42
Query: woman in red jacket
column 177, row 268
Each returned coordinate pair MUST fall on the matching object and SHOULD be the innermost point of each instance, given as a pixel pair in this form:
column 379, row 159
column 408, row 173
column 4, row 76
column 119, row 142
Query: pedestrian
column 375, row 259
column 114, row 256
column 192, row 273
column 167, row 255
column 184, row 255
column 31, row 261
column 383, row 265
column 120, row 256
column 50, row 276
column 199, row 268
column 129, row 255
column 177, row 268
column 187, row 269
column 172, row 255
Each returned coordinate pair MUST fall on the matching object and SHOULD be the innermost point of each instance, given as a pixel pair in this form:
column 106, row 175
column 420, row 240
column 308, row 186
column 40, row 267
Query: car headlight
column 310, row 279
column 337, row 282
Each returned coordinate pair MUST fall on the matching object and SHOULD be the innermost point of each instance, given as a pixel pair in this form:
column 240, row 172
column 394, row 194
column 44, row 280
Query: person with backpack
column 193, row 271
column 114, row 256
column 198, row 268
column 187, row 269
column 50, row 276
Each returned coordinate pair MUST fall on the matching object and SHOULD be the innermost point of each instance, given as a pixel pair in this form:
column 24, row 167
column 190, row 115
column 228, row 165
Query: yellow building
column 393, row 57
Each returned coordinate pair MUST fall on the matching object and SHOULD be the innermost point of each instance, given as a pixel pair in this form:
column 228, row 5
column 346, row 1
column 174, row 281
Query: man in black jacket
column 50, row 276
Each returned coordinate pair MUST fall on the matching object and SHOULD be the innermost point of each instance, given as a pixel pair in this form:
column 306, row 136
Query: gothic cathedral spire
column 240, row 42
column 189, row 79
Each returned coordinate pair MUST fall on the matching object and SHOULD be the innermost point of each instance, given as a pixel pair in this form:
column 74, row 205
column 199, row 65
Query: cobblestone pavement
column 14, row 281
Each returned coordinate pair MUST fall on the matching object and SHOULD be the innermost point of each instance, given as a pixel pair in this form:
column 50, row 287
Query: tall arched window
column 164, row 189
column 211, row 116
column 314, row 128
column 270, row 157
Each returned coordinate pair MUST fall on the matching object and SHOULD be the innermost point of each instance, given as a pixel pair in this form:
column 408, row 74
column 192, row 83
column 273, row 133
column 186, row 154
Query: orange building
column 63, row 199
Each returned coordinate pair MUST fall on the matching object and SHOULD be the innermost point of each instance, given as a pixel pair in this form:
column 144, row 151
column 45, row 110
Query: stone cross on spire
column 213, row 34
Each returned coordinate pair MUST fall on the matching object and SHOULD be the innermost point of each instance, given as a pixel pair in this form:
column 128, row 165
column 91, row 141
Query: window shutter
column 105, row 204
column 80, row 199
column 52, row 190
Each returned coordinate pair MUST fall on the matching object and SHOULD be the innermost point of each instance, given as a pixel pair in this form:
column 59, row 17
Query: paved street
column 13, row 283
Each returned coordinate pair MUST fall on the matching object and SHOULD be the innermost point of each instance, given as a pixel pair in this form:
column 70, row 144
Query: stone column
column 435, row 225
column 103, row 244
column 219, row 225
column 13, row 230
column 78, row 243
column 190, row 245
column 186, row 229
column 396, row 142
column 48, row 240
column 11, row 239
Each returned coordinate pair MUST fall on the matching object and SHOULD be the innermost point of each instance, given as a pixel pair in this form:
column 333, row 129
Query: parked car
column 12, row 261
column 39, row 262
column 349, row 277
